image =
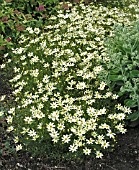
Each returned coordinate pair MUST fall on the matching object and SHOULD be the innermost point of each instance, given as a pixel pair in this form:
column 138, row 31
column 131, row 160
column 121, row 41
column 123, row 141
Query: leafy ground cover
column 59, row 99
column 123, row 67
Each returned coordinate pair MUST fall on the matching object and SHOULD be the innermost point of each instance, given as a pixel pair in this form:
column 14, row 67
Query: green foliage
column 5, row 143
column 123, row 66
column 4, row 44
column 59, row 100
column 6, row 149
column 11, row 24
column 16, row 15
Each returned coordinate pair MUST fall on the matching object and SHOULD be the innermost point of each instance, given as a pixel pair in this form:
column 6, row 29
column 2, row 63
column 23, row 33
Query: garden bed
column 124, row 157
column 63, row 112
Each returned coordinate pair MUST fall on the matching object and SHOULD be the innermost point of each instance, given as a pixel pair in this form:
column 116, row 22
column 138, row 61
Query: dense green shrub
column 59, row 100
column 29, row 6
column 122, row 70
column 16, row 15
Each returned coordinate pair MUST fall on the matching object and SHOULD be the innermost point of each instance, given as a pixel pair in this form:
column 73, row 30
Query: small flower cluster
column 57, row 90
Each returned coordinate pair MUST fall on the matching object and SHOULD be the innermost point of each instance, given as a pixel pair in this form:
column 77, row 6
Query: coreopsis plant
column 59, row 99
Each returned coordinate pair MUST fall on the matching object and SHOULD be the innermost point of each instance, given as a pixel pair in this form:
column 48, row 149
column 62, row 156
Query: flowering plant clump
column 58, row 95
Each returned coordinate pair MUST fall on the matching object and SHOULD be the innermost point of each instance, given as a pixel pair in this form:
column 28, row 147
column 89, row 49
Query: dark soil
column 124, row 157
